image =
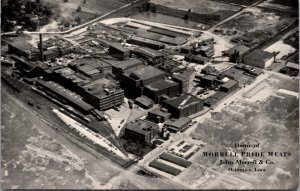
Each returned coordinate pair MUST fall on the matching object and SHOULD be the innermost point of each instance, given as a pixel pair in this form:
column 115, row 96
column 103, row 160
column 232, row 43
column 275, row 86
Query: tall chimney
column 41, row 48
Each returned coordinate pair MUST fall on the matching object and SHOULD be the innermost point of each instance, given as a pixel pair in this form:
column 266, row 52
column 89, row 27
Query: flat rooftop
column 93, row 62
column 184, row 75
column 259, row 55
column 240, row 48
column 183, row 100
column 229, row 83
column 161, row 85
column 178, row 123
column 147, row 72
column 68, row 95
column 148, row 52
column 102, row 87
column 127, row 64
column 160, row 112
column 23, row 45
column 141, row 126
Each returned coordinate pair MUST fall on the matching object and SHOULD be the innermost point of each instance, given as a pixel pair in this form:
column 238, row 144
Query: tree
column 187, row 15
column 153, row 8
column 78, row 9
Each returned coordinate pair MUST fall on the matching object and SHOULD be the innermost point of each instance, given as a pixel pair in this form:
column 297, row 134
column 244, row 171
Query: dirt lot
column 240, row 2
column 256, row 24
column 202, row 7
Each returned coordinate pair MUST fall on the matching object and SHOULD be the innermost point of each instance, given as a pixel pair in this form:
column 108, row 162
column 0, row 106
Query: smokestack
column 41, row 48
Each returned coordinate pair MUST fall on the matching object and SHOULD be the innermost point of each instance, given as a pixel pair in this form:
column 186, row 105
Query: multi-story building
column 153, row 57
column 183, row 106
column 135, row 79
column 141, row 131
column 185, row 79
column 161, row 87
column 118, row 51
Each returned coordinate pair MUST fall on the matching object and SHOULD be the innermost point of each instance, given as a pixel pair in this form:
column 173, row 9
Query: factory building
column 51, row 54
column 118, row 51
column 159, row 115
column 118, row 68
column 229, row 86
column 233, row 74
column 91, row 68
column 237, row 49
column 171, row 66
column 141, row 131
column 183, row 106
column 136, row 79
column 184, row 79
column 29, row 68
column 208, row 81
column 101, row 92
column 186, row 49
column 207, row 51
column 24, row 49
column 161, row 87
column 144, row 102
column 260, row 59
column 210, row 70
column 61, row 93
column 196, row 59
column 153, row 57
column 146, row 43
column 176, row 125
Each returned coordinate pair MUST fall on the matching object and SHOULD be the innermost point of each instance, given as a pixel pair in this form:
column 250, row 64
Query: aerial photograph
column 150, row 94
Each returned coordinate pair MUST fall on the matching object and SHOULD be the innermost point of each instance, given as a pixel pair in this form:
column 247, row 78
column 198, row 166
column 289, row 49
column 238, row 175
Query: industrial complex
column 139, row 90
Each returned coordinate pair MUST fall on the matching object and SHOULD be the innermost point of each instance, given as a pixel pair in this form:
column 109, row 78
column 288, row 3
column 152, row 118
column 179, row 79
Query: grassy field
column 36, row 156
column 271, row 121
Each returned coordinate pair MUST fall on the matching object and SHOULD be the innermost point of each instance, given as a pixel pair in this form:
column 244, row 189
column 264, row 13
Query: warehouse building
column 24, row 49
column 196, row 59
column 144, row 102
column 250, row 70
column 237, row 49
column 229, row 86
column 260, row 59
column 146, row 43
column 161, row 87
column 233, row 74
column 135, row 79
column 175, row 125
column 141, row 131
column 183, row 106
column 208, row 81
column 61, row 93
column 184, row 79
column 171, row 66
column 159, row 115
column 118, row 68
column 207, row 51
column 153, row 57
column 118, row 51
